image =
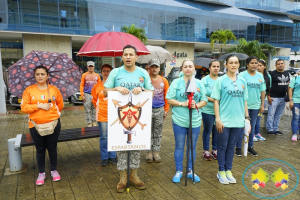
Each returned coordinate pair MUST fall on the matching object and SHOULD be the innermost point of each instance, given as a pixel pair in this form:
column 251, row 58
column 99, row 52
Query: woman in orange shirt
column 35, row 103
column 100, row 103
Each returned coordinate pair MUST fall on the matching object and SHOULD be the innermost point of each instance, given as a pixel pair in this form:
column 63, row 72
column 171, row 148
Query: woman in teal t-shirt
column 230, row 105
column 180, row 116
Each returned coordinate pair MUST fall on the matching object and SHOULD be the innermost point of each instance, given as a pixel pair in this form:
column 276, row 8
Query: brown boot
column 121, row 187
column 149, row 157
column 135, row 180
column 157, row 157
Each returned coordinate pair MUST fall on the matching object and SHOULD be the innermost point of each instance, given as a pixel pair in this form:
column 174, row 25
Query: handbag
column 46, row 128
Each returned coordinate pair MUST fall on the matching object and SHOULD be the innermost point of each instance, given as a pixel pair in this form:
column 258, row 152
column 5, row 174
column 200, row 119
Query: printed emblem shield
column 129, row 115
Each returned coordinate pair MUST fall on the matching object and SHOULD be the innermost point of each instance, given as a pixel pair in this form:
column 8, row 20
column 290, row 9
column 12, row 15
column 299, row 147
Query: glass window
column 49, row 8
column 274, row 30
column 116, row 16
column 243, row 26
column 234, row 27
column 202, row 26
column 29, row 7
column 259, row 28
column 12, row 6
column 281, row 31
column 158, row 23
column 214, row 24
column 186, row 26
column 288, row 32
column 131, row 15
column 267, row 29
column 102, row 17
column 146, row 19
column 225, row 23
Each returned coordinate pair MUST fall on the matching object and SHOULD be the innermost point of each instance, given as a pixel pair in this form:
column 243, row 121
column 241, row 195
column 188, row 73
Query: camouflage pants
column 90, row 111
column 134, row 160
column 156, row 128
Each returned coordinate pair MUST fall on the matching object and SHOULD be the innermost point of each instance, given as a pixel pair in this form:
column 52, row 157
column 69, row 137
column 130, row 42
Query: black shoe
column 278, row 133
column 113, row 160
column 252, row 152
column 270, row 133
column 104, row 162
column 238, row 152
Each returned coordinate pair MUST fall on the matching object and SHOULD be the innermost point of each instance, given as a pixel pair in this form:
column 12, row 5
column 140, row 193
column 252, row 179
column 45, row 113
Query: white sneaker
column 229, row 176
column 294, row 137
column 255, row 139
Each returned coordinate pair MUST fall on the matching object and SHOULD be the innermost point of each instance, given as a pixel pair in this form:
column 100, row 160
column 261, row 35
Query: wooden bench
column 23, row 140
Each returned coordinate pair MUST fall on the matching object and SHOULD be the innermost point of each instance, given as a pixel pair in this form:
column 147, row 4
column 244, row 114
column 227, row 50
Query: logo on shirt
column 284, row 80
column 260, row 80
column 96, row 78
column 198, row 89
column 162, row 84
column 243, row 87
column 43, row 97
column 141, row 79
column 32, row 97
column 119, row 79
column 53, row 98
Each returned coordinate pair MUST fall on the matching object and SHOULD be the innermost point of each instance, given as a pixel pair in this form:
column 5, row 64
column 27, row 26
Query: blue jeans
column 275, row 112
column 180, row 133
column 226, row 143
column 208, row 127
column 257, row 125
column 296, row 118
column 253, row 115
column 103, row 142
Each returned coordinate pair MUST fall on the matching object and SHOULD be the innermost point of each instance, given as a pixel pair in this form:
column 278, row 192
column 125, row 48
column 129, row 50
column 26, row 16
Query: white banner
column 129, row 121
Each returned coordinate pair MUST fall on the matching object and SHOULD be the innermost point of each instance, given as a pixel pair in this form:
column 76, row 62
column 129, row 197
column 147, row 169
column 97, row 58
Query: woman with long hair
column 208, row 114
column 230, row 96
column 262, row 68
column 178, row 99
column 43, row 103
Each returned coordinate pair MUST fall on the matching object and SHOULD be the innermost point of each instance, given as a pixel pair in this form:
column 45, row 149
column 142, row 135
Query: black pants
column 62, row 20
column 42, row 143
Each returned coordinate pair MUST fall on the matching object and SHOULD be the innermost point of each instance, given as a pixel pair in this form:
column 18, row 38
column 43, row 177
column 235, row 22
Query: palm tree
column 137, row 32
column 253, row 48
column 221, row 36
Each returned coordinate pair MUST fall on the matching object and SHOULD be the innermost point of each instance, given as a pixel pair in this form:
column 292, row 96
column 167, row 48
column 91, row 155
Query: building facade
column 64, row 25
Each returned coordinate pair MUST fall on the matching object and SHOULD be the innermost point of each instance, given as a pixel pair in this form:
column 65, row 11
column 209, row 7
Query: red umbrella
column 63, row 72
column 111, row 44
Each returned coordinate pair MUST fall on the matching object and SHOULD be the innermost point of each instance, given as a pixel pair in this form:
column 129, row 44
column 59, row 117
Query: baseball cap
column 154, row 61
column 91, row 63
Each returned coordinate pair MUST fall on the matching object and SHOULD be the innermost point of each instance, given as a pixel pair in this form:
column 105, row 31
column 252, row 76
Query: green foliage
column 221, row 36
column 137, row 32
column 253, row 48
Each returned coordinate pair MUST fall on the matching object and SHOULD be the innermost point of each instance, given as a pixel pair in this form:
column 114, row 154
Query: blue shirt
column 295, row 84
column 232, row 96
column 180, row 115
column 208, row 84
column 121, row 77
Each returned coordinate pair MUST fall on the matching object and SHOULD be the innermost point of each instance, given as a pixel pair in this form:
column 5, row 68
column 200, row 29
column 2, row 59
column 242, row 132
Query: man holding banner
column 125, row 79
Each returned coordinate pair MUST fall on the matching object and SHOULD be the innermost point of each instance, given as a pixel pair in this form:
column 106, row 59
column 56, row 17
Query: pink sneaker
column 294, row 138
column 206, row 155
column 214, row 154
column 55, row 175
column 41, row 179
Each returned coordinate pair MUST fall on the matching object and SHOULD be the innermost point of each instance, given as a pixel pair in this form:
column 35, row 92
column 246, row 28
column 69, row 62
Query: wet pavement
column 83, row 177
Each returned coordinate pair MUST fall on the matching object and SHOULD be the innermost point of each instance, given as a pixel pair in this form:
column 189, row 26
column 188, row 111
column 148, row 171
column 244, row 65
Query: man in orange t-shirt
column 88, row 80
column 160, row 108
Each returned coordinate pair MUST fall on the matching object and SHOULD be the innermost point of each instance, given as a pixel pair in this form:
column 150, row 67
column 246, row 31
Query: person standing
column 63, row 18
column 100, row 103
column 230, row 96
column 180, row 118
column 280, row 80
column 125, row 79
column 160, row 108
column 88, row 80
column 256, row 99
column 294, row 96
column 261, row 67
column 43, row 103
column 208, row 114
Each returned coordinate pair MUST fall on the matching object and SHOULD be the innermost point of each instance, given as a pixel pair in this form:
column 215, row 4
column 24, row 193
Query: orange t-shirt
column 100, row 102
column 32, row 96
column 88, row 80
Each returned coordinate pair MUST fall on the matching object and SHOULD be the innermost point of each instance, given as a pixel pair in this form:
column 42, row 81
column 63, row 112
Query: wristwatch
column 143, row 89
column 180, row 104
column 248, row 118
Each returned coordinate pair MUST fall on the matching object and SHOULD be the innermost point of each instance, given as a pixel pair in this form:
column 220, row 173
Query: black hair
column 41, row 67
column 106, row 65
column 266, row 76
column 248, row 60
column 231, row 55
column 130, row 47
column 211, row 62
column 278, row 61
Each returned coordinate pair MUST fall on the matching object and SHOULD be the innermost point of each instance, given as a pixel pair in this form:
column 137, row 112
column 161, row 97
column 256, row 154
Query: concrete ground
column 83, row 177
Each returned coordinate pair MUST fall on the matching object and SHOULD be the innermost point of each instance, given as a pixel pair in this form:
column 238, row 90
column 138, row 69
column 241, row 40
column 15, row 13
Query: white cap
column 91, row 63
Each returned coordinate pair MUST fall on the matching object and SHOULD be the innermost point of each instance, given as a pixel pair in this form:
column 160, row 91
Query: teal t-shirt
column 180, row 115
column 208, row 84
column 232, row 96
column 255, row 85
column 295, row 84
column 121, row 77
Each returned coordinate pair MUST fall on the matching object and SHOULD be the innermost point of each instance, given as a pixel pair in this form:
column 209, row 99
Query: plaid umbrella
column 63, row 72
